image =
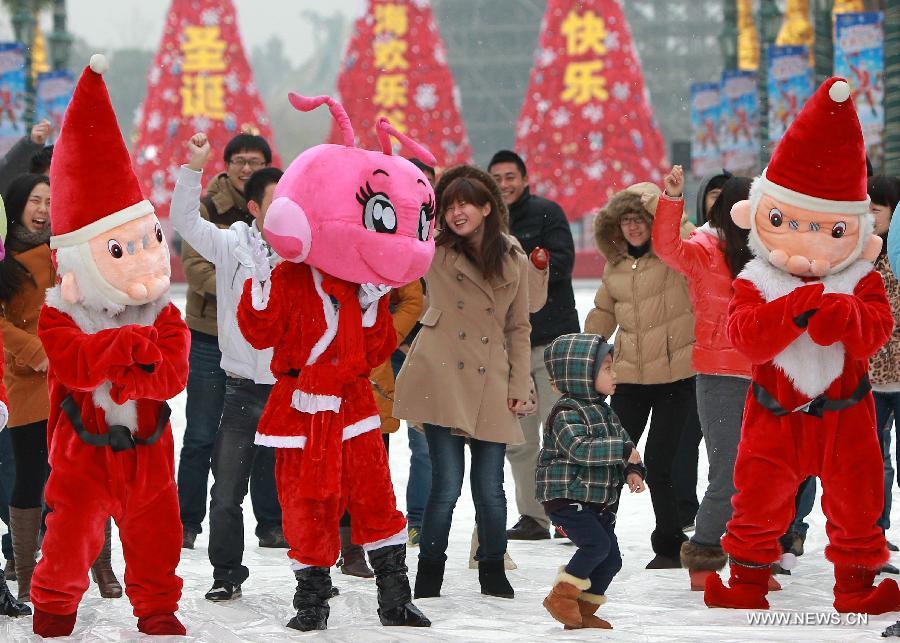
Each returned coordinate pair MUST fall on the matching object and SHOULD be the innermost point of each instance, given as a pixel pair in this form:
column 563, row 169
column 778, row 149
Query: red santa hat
column 820, row 163
column 93, row 187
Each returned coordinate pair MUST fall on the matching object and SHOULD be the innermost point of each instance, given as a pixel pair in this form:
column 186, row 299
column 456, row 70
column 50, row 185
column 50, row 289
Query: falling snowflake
column 621, row 91
column 592, row 112
column 154, row 121
column 426, row 97
column 560, row 117
column 210, row 17
column 546, row 57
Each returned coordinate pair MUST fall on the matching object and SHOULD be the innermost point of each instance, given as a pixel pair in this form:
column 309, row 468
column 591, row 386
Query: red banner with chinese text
column 396, row 66
column 587, row 129
column 200, row 81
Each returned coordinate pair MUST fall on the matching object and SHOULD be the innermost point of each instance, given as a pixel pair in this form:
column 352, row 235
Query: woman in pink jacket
column 710, row 259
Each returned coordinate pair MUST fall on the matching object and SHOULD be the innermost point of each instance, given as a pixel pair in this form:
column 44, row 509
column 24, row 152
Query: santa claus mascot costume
column 117, row 350
column 809, row 311
column 350, row 224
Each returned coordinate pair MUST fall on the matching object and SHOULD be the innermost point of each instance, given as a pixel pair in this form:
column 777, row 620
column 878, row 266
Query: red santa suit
column 111, row 367
column 321, row 413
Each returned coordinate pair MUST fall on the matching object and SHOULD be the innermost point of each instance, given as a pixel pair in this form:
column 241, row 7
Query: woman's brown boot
column 102, row 571
column 25, row 525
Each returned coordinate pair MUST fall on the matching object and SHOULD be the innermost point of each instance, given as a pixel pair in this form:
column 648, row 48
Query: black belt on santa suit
column 816, row 406
column 117, row 437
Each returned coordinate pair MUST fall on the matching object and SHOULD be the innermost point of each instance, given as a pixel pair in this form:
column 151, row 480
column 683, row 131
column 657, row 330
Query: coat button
column 459, row 276
column 462, row 334
column 460, row 365
column 481, row 370
column 484, row 340
column 460, row 304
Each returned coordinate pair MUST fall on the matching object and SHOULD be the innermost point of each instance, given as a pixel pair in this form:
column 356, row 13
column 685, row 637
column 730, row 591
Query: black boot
column 9, row 604
column 311, row 599
column 353, row 557
column 429, row 579
column 395, row 605
column 492, row 577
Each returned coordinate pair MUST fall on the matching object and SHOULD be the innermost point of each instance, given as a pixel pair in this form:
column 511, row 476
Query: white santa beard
column 94, row 313
column 810, row 368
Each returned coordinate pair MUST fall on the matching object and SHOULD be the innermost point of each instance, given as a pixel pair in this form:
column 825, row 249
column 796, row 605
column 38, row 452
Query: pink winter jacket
column 701, row 260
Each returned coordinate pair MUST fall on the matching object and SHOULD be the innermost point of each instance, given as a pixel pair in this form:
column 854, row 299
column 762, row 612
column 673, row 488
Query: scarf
column 21, row 239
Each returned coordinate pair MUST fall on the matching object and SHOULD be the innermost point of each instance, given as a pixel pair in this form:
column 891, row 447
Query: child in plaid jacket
column 584, row 461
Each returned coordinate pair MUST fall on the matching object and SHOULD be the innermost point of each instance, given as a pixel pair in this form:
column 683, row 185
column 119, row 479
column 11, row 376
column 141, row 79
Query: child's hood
column 573, row 362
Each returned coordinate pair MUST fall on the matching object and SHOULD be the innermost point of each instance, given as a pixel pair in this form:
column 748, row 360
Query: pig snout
column 287, row 230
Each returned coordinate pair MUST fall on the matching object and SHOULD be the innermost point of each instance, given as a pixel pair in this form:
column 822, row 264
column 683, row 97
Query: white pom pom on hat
column 839, row 91
column 99, row 64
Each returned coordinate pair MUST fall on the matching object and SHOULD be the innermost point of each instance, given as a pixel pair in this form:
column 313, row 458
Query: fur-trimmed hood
column 472, row 172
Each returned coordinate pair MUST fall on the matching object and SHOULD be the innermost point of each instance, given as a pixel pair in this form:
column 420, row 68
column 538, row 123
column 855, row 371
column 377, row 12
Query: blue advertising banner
column 12, row 94
column 790, row 85
column 53, row 93
column 739, row 121
column 705, row 107
column 859, row 57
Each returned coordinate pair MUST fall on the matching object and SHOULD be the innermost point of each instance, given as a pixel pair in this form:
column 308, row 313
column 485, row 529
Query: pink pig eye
column 378, row 213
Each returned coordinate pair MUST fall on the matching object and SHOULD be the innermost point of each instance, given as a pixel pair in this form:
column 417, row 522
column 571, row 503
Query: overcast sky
column 139, row 23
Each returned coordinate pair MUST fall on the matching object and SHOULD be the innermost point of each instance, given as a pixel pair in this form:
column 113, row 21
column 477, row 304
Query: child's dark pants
column 598, row 556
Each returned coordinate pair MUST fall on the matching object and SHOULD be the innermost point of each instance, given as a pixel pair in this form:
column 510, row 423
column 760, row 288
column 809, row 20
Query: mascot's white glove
column 370, row 293
column 256, row 258
column 4, row 415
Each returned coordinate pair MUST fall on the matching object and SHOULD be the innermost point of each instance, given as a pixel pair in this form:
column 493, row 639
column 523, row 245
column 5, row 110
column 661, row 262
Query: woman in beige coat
column 467, row 375
column 648, row 302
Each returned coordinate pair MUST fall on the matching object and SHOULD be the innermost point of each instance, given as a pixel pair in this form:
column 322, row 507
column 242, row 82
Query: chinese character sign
column 396, row 67
column 859, row 57
column 790, row 81
column 705, row 155
column 586, row 128
column 12, row 95
column 52, row 95
column 200, row 81
column 739, row 121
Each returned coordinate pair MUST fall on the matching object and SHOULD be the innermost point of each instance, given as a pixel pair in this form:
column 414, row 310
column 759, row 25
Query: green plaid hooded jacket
column 583, row 454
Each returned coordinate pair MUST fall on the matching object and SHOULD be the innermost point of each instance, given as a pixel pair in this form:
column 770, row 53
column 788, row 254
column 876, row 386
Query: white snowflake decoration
column 524, row 128
column 422, row 4
column 149, row 153
column 154, row 75
column 546, row 57
column 612, row 41
column 592, row 112
column 160, row 194
column 457, row 98
column 202, row 123
column 595, row 171
column 627, row 177
column 232, row 82
column 621, row 91
column 543, row 106
column 210, row 17
column 154, row 121
column 440, row 56
column 595, row 141
column 560, row 117
column 426, row 97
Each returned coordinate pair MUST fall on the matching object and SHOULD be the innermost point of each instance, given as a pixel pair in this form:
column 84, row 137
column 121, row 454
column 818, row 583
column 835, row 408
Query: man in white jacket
column 249, row 379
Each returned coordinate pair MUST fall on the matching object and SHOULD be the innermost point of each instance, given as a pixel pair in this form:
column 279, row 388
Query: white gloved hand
column 370, row 293
column 255, row 258
column 4, row 415
column 259, row 294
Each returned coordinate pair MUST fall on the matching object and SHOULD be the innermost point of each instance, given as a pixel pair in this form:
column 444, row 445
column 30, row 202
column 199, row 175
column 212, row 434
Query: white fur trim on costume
column 297, row 566
column 331, row 320
column 565, row 577
column 99, row 64
column 4, row 415
column 363, row 426
column 370, row 315
column 110, row 221
column 810, row 368
column 311, row 403
column 397, row 539
column 299, row 441
column 115, row 414
column 839, row 91
column 813, row 203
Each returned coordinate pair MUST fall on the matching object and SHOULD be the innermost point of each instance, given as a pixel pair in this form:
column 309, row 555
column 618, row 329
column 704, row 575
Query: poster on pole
column 739, row 121
column 859, row 57
column 790, row 81
column 705, row 106
column 12, row 94
column 52, row 96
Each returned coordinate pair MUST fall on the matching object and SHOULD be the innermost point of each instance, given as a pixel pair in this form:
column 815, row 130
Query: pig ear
column 872, row 248
column 287, row 230
column 338, row 113
column 740, row 214
column 385, row 130
column 71, row 293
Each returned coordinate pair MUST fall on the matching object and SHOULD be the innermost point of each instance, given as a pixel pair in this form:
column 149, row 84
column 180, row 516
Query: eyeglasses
column 632, row 220
column 239, row 161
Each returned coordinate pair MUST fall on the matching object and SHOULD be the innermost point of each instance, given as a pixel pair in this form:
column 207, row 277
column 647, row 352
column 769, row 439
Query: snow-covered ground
column 643, row 605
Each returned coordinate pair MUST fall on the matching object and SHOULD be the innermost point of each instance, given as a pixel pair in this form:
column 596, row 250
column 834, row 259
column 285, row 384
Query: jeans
column 886, row 406
column 598, row 556
column 486, row 476
column 418, row 485
column 205, row 397
column 233, row 460
column 684, row 469
column 7, row 480
column 806, row 498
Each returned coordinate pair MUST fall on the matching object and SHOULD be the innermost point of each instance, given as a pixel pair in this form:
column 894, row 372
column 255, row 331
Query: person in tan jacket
column 466, row 376
column 26, row 272
column 648, row 303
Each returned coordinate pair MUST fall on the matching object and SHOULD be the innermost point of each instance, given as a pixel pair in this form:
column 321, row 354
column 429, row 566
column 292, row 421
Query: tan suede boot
column 588, row 604
column 562, row 601
column 102, row 571
column 25, row 526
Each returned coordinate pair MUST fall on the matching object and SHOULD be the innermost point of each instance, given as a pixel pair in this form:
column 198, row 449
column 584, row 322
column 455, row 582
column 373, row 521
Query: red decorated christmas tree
column 396, row 66
column 587, row 129
column 200, row 81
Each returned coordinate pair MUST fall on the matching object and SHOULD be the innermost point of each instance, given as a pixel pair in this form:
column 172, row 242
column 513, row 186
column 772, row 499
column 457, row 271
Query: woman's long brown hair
column 494, row 246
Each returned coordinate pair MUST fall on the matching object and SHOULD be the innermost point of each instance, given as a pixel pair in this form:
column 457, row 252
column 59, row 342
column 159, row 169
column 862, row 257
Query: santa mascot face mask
column 358, row 215
column 808, row 213
column 109, row 246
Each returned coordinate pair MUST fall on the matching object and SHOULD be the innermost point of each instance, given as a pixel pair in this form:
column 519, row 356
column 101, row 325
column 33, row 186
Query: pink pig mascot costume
column 351, row 224
column 117, row 350
column 809, row 311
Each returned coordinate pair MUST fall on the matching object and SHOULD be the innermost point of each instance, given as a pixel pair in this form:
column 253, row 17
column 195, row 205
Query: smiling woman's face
column 36, row 215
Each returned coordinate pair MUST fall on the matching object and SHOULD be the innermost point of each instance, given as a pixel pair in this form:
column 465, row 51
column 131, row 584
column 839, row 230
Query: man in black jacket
column 537, row 222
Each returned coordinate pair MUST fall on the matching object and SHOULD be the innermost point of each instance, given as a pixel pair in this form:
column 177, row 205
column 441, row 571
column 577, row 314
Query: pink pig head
column 361, row 216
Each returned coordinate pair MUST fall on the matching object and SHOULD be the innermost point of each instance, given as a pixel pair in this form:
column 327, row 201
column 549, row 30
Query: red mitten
column 804, row 302
column 144, row 349
column 829, row 324
column 540, row 258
